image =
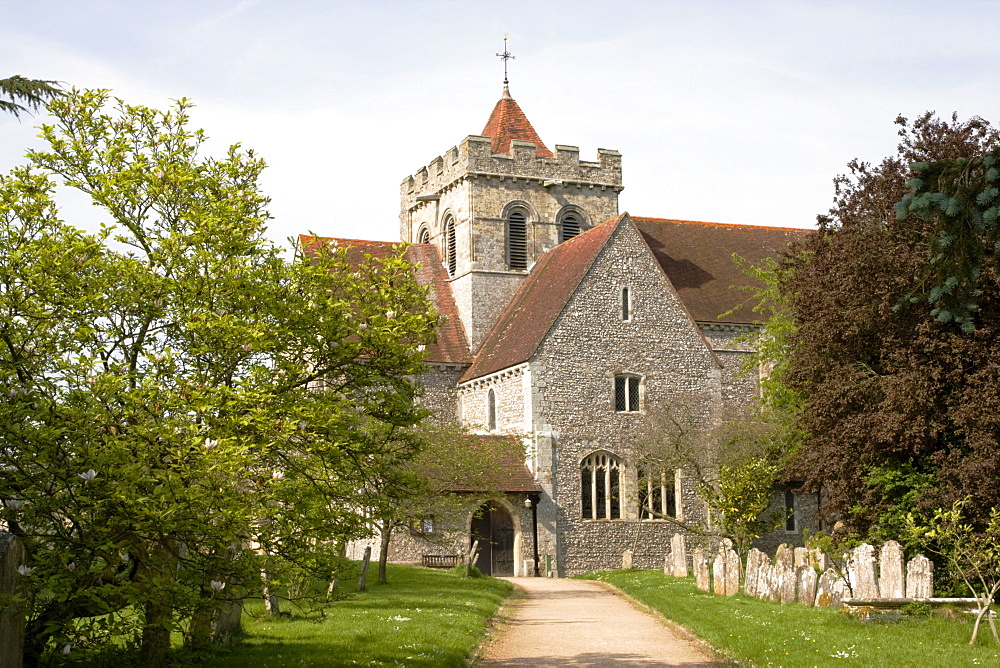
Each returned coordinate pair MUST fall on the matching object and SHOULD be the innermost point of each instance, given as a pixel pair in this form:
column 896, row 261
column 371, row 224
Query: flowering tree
column 177, row 391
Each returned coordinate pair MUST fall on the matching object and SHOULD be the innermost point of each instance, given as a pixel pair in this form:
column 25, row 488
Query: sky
column 735, row 112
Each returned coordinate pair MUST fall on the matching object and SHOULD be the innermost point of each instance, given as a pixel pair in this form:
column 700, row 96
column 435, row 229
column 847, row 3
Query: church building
column 569, row 324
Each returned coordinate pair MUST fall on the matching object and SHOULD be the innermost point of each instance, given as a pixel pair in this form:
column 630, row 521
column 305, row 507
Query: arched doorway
column 493, row 527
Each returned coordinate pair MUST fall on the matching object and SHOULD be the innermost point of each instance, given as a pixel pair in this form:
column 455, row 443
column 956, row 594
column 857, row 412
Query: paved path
column 560, row 622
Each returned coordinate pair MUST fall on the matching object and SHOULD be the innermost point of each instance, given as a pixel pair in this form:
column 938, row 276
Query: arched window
column 491, row 410
column 790, row 524
column 657, row 495
column 423, row 236
column 517, row 239
column 569, row 227
column 449, row 246
column 600, row 487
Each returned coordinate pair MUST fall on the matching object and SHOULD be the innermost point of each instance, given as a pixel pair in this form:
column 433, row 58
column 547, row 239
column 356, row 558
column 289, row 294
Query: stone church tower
column 496, row 202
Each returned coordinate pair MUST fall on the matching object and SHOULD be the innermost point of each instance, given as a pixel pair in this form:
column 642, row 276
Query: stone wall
column 509, row 387
column 740, row 387
column 440, row 392
column 806, row 515
column 573, row 380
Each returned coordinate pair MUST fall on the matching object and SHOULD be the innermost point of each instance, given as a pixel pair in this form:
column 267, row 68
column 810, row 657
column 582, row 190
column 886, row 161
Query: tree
column 31, row 92
column 899, row 405
column 971, row 553
column 734, row 465
column 178, row 392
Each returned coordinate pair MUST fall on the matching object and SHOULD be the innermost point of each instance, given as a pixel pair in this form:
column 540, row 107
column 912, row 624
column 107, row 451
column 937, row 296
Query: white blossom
column 88, row 475
column 217, row 586
column 24, row 570
column 278, row 475
column 15, row 504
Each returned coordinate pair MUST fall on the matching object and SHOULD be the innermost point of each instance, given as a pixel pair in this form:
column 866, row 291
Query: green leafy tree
column 183, row 403
column 898, row 405
column 26, row 95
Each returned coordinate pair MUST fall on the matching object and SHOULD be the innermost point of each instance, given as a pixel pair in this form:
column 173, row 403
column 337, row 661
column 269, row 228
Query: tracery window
column 517, row 239
column 600, row 487
column 627, row 394
column 657, row 495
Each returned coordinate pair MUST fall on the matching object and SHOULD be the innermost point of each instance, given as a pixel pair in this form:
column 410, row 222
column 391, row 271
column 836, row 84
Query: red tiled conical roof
column 507, row 123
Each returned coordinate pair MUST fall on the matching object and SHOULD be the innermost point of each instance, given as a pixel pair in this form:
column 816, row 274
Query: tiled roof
column 698, row 259
column 452, row 345
column 508, row 122
column 539, row 300
column 509, row 473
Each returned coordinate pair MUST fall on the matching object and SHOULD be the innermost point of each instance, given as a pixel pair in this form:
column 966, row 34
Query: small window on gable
column 423, row 236
column 569, row 227
column 626, row 304
column 600, row 487
column 627, row 393
column 790, row 524
column 517, row 240
column 491, row 410
column 450, row 256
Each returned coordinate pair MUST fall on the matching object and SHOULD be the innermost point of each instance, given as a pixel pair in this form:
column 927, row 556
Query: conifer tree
column 30, row 93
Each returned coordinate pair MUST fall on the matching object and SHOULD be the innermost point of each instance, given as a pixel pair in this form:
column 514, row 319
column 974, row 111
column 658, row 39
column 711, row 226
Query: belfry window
column 627, row 393
column 449, row 251
column 423, row 236
column 600, row 487
column 657, row 495
column 491, row 410
column 517, row 240
column 569, row 228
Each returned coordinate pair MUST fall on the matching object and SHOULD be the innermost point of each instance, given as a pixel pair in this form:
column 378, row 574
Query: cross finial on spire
column 505, row 56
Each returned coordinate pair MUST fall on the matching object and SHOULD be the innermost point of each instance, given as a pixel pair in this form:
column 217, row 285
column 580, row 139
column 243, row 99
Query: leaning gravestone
column 755, row 562
column 890, row 571
column 732, row 572
column 787, row 579
column 807, row 585
column 861, row 572
column 785, row 556
column 919, row 577
column 830, row 590
column 668, row 564
column 678, row 553
column 11, row 618
column 700, row 564
column 719, row 573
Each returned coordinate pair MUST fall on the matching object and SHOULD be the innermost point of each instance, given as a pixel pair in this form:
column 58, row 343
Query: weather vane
column 505, row 56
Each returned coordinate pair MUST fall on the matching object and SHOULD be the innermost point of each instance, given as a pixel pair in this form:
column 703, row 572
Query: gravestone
column 678, row 551
column 719, row 573
column 627, row 560
column 732, row 572
column 861, row 572
column 787, row 580
column 11, row 618
column 766, row 585
column 668, row 564
column 830, row 590
column 807, row 585
column 919, row 577
column 890, row 571
column 819, row 560
column 755, row 562
column 785, row 556
column 701, row 576
column 803, row 557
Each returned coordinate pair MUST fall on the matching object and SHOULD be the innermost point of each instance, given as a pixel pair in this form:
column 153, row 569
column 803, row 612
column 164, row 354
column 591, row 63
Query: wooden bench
column 439, row 560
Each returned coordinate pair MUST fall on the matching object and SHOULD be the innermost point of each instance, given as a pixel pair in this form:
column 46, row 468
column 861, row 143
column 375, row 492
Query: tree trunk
column 383, row 551
column 271, row 604
column 155, row 635
column 199, row 633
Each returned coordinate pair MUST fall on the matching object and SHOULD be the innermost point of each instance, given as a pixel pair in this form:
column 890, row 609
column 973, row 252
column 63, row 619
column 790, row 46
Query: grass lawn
column 423, row 617
column 761, row 633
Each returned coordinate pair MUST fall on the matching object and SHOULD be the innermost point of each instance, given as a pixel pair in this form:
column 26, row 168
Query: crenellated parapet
column 474, row 158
